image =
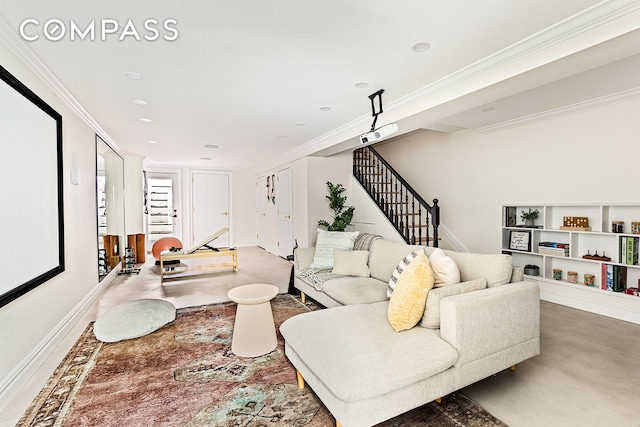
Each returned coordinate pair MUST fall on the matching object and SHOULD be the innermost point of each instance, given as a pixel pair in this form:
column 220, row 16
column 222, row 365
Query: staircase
column 410, row 214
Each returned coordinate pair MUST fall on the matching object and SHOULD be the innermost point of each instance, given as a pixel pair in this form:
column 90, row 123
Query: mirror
column 110, row 202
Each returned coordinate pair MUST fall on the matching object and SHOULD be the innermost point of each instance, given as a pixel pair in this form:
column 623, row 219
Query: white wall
column 28, row 322
column 134, row 195
column 243, row 190
column 336, row 169
column 589, row 156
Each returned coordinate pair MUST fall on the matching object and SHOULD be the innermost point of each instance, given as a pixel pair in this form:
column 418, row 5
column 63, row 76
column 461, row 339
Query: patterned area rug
column 186, row 375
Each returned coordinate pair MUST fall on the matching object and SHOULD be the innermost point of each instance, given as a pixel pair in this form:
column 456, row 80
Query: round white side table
column 254, row 332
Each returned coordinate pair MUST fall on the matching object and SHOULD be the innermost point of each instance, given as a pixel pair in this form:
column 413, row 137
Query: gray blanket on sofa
column 318, row 276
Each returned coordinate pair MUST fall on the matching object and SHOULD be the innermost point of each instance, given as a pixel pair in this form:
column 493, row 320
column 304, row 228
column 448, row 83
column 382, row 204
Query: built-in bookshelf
column 587, row 254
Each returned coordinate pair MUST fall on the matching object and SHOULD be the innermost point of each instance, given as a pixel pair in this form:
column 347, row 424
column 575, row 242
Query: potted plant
column 529, row 217
column 531, row 270
column 342, row 215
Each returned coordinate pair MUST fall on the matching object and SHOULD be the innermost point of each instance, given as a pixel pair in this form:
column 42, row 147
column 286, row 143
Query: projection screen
column 32, row 235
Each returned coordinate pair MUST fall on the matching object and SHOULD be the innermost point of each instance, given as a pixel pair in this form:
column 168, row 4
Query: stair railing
column 415, row 219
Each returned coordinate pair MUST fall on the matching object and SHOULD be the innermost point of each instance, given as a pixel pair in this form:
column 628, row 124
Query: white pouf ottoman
column 133, row 319
column 254, row 332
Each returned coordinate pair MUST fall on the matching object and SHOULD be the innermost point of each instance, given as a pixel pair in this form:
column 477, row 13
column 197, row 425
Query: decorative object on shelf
column 617, row 226
column 342, row 214
column 572, row 276
column 596, row 257
column 520, row 240
column 575, row 223
column 635, row 227
column 531, row 270
column 589, row 279
column 529, row 217
column 557, row 274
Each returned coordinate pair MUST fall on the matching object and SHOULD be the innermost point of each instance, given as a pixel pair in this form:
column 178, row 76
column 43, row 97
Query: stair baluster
column 415, row 219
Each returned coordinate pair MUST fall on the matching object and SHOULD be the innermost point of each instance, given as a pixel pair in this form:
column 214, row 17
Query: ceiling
column 268, row 82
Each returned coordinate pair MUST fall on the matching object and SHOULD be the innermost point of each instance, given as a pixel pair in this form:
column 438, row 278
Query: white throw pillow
column 404, row 263
column 351, row 263
column 327, row 242
column 444, row 268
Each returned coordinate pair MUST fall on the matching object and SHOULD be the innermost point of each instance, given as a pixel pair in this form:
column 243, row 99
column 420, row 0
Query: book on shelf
column 553, row 248
column 554, row 244
column 607, row 277
column 614, row 278
column 632, row 291
column 553, row 251
column 632, row 250
column 629, row 250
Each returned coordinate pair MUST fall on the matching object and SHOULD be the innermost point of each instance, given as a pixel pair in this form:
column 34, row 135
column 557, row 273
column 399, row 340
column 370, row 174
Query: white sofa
column 365, row 372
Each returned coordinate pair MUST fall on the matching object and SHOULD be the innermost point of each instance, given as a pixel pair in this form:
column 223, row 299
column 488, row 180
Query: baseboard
column 20, row 375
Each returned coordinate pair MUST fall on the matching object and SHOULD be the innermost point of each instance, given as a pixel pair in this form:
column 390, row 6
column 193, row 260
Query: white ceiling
column 252, row 76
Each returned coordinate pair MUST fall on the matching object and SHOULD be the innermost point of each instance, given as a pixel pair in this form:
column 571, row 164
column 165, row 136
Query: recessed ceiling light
column 144, row 119
column 205, row 158
column 210, row 146
column 153, row 142
column 139, row 102
column 487, row 109
column 362, row 85
column 325, row 108
column 132, row 75
column 420, row 46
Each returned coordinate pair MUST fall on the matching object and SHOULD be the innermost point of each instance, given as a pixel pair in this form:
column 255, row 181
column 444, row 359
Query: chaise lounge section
column 365, row 372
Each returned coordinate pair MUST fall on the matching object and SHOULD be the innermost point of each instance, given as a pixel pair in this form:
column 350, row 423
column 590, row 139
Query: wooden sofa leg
column 303, row 297
column 513, row 367
column 438, row 400
column 338, row 424
column 300, row 379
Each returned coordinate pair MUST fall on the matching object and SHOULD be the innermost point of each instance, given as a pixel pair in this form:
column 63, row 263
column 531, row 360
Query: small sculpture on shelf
column 596, row 257
column 575, row 223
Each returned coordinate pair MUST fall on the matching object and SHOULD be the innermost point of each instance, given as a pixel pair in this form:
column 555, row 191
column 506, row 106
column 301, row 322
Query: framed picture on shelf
column 510, row 216
column 520, row 240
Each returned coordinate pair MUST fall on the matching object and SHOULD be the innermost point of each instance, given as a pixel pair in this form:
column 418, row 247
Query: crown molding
column 12, row 41
column 615, row 98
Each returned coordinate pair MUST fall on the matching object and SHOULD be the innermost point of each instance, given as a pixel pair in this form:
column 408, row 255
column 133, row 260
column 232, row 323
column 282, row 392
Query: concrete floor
column 585, row 375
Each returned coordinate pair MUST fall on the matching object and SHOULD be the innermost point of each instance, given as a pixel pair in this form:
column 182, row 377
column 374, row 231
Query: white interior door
column 162, row 206
column 285, row 228
column 210, row 207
